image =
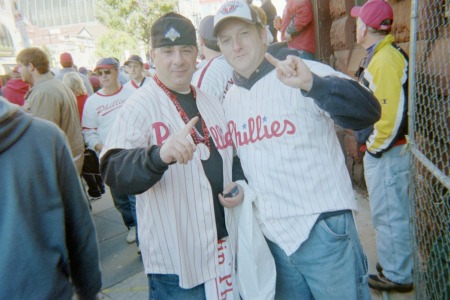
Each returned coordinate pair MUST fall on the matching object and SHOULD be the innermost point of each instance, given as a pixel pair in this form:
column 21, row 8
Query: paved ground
column 122, row 271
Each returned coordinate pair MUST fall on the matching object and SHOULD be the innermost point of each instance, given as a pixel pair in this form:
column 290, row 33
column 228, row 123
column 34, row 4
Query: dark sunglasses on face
column 106, row 72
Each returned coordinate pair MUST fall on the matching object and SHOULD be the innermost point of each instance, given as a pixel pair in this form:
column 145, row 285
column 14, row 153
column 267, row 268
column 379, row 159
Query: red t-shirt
column 81, row 100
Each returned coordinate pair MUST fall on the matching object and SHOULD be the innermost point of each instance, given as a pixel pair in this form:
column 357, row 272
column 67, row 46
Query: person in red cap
column 99, row 113
column 66, row 61
column 385, row 71
column 15, row 89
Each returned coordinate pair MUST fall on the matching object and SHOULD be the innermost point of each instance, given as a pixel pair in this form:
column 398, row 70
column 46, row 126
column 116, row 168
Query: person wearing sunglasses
column 99, row 113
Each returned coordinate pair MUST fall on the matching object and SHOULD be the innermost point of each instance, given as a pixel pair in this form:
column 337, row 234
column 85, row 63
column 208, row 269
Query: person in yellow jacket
column 385, row 72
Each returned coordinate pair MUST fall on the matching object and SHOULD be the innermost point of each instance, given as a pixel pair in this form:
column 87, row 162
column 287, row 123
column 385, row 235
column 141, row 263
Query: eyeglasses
column 106, row 72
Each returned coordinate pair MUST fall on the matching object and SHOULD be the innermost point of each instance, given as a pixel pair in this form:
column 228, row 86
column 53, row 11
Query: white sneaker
column 131, row 237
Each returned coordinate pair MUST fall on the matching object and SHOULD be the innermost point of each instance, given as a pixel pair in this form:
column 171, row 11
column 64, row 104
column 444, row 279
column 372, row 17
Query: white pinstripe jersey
column 133, row 85
column 177, row 230
column 99, row 114
column 215, row 77
column 290, row 155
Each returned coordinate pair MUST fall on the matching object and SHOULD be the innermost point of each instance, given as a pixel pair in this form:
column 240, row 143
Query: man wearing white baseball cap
column 281, row 112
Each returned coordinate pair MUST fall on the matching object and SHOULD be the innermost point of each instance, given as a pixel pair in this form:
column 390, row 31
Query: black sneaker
column 379, row 282
column 94, row 194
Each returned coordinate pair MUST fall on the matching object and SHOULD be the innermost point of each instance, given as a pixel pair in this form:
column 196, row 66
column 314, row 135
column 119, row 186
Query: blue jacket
column 48, row 241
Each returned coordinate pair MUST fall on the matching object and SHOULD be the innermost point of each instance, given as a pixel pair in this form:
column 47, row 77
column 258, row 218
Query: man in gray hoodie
column 49, row 246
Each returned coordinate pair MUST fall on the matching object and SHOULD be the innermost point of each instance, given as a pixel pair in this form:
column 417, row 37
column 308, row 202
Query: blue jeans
column 387, row 180
column 126, row 205
column 166, row 286
column 330, row 264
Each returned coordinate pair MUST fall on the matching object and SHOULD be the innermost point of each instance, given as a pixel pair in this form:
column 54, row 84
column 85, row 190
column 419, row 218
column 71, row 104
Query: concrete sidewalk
column 122, row 271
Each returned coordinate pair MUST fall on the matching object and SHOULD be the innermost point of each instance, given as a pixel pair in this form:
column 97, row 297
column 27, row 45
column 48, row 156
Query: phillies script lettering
column 256, row 131
column 107, row 108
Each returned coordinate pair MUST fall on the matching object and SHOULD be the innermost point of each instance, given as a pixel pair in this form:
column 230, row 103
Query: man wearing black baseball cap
column 135, row 68
column 168, row 147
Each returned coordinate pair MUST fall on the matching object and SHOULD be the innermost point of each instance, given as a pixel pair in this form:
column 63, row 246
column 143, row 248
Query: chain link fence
column 430, row 147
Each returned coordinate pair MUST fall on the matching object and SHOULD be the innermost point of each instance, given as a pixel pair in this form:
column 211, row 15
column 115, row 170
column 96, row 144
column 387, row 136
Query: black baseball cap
column 134, row 58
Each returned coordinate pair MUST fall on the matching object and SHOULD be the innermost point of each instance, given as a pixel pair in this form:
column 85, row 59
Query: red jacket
column 15, row 91
column 81, row 100
column 298, row 21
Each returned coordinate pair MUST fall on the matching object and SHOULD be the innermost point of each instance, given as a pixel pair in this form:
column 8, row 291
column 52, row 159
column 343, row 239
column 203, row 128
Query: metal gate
column 429, row 138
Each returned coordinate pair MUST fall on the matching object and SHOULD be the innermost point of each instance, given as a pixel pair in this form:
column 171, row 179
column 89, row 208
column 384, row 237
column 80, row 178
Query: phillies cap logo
column 172, row 34
column 230, row 8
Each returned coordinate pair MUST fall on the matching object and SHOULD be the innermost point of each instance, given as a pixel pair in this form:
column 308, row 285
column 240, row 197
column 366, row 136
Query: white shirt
column 177, row 230
column 290, row 155
column 214, row 77
column 99, row 113
column 133, row 85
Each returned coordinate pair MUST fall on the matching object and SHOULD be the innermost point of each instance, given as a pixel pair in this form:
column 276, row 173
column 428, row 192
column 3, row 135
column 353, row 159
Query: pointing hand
column 292, row 72
column 177, row 147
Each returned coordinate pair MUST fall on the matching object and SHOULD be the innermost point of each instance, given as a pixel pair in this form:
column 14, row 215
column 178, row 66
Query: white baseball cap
column 235, row 9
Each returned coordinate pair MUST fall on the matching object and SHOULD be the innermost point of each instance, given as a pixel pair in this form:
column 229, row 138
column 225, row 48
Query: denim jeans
column 166, row 286
column 126, row 205
column 387, row 183
column 330, row 264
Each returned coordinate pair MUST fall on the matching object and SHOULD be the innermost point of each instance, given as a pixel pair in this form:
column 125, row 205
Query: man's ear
column 364, row 29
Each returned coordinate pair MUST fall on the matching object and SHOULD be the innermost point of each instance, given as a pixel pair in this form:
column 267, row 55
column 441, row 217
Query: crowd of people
column 171, row 141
